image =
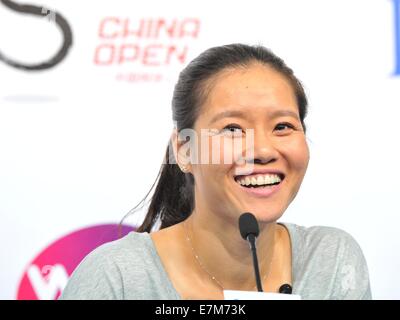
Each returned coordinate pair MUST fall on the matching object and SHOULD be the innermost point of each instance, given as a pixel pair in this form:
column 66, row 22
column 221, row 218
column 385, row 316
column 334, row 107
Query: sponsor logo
column 396, row 10
column 56, row 19
column 144, row 48
column 46, row 276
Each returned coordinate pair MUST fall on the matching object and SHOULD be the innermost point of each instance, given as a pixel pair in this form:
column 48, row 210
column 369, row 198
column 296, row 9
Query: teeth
column 259, row 180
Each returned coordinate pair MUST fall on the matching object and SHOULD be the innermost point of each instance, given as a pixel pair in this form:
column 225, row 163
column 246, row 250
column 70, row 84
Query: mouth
column 260, row 180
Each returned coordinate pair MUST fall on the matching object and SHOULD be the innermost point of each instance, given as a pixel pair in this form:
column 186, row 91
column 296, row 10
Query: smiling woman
column 253, row 109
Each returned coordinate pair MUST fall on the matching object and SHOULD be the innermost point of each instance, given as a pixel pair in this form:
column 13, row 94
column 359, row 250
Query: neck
column 224, row 254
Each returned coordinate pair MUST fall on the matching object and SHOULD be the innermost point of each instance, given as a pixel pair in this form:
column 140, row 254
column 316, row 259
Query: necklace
column 189, row 240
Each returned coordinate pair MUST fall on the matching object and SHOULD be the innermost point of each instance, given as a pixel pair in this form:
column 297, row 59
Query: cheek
column 297, row 154
column 216, row 156
column 220, row 150
column 230, row 150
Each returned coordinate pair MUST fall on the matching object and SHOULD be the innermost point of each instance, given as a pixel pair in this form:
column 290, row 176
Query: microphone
column 285, row 288
column 249, row 231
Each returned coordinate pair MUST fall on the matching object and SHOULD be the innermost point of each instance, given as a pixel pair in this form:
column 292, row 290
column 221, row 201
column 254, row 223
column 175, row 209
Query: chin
column 265, row 216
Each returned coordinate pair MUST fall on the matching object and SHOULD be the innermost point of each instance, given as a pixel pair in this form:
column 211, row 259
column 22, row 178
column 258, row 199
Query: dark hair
column 173, row 198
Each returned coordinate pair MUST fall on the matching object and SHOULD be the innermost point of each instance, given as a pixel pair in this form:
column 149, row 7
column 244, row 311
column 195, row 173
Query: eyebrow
column 241, row 114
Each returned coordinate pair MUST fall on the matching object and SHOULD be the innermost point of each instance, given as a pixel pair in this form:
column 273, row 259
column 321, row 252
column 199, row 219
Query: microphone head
column 285, row 288
column 248, row 225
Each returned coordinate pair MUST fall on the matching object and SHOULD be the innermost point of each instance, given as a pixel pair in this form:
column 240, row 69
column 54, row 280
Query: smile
column 259, row 180
column 260, row 184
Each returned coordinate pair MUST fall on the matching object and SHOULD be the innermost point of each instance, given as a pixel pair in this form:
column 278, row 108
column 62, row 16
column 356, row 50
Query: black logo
column 58, row 19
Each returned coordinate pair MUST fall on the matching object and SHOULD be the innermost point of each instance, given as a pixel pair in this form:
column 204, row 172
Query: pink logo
column 47, row 275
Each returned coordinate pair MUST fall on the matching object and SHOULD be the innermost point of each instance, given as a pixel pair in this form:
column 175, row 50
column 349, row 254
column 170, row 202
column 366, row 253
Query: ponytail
column 173, row 198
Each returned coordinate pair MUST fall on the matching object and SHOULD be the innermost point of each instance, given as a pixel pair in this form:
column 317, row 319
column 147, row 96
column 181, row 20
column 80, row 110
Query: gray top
column 327, row 263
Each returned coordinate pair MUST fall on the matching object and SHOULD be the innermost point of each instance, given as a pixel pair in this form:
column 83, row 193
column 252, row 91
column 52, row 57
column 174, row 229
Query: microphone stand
column 252, row 240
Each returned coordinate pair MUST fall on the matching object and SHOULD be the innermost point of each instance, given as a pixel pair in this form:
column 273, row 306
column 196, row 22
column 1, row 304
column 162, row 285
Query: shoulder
column 330, row 262
column 104, row 272
column 133, row 249
column 322, row 238
column 133, row 242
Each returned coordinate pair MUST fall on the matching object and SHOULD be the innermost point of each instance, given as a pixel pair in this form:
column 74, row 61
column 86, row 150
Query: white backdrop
column 80, row 144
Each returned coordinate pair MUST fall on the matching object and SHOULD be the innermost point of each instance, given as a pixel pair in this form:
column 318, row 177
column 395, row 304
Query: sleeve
column 96, row 278
column 352, row 277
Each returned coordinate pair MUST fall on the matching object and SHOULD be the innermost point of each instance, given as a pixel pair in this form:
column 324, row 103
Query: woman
column 234, row 93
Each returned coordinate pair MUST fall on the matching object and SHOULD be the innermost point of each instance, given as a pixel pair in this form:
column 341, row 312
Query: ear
column 180, row 149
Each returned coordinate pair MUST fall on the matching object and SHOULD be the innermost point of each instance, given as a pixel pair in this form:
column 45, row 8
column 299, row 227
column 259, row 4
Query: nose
column 260, row 148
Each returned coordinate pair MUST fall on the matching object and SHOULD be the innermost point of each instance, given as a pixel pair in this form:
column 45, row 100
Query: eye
column 284, row 126
column 233, row 130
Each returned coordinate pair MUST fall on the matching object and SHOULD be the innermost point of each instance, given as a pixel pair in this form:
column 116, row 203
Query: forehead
column 256, row 87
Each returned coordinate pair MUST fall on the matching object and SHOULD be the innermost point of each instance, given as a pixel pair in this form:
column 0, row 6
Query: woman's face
column 261, row 99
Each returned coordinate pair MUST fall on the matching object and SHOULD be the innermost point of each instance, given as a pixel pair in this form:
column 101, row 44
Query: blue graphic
column 396, row 7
